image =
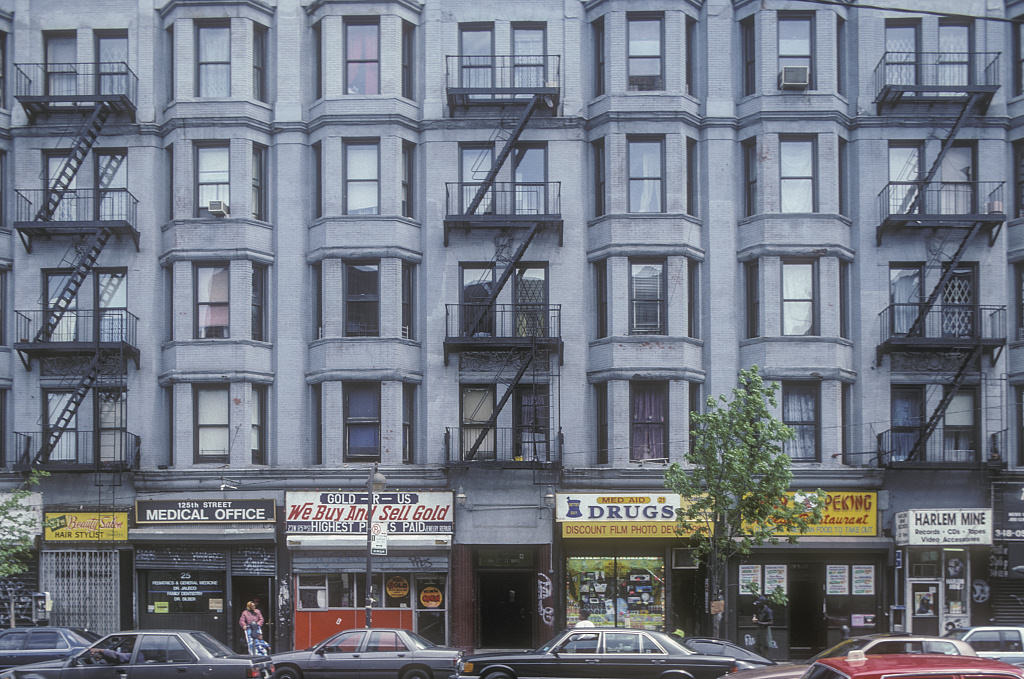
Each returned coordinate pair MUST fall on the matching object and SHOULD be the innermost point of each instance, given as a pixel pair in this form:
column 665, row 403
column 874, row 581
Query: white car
column 994, row 641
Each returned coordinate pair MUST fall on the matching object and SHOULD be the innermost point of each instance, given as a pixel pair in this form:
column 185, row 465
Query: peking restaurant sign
column 846, row 513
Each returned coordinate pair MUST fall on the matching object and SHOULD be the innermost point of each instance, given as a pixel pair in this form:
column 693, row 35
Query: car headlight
column 464, row 667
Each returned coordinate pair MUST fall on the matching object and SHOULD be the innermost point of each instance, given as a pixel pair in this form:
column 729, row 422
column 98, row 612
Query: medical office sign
column 205, row 511
column 944, row 527
column 344, row 513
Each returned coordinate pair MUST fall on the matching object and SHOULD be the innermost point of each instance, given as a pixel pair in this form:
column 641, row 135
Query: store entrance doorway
column 505, row 619
column 807, row 628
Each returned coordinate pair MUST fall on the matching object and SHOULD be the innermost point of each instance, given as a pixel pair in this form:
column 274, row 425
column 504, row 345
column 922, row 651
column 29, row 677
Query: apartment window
column 362, row 57
column 408, row 168
column 1020, row 425
column 601, row 298
column 477, row 433
column 646, row 172
column 1018, row 177
column 318, row 61
column 748, row 56
column 597, row 30
column 841, row 55
column 212, row 177
column 905, row 297
column 408, row 423
column 362, row 420
column 644, row 58
column 844, row 299
column 213, row 60
column 362, row 299
column 647, row 298
column 408, row 63
column 258, row 434
column 695, row 409
column 210, row 406
column 3, row 307
column 111, row 62
column 61, row 58
column 172, row 72
column 749, row 150
column 1018, row 56
column 796, row 43
column 259, row 182
column 259, row 63
column 959, row 427
column 599, row 176
column 901, row 51
column 691, row 55
column 693, row 298
column 259, row 303
column 800, row 413
column 798, row 297
column 476, row 57
column 648, row 421
column 843, row 161
column 846, row 421
column 753, row 297
column 316, row 421
column 477, row 311
column 796, row 175
column 318, row 180
column 408, row 283
column 601, row 421
column 169, row 424
column 529, row 47
column 3, row 86
column 212, row 283
column 1019, row 275
column 905, row 169
column 362, row 186
column 169, row 153
column 692, row 176
column 317, row 289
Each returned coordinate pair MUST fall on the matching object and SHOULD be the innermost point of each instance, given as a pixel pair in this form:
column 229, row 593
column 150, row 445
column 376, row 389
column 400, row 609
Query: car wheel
column 416, row 673
column 497, row 674
column 287, row 673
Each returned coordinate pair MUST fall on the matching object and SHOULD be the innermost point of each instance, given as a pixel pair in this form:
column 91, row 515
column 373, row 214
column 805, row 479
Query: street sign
column 379, row 544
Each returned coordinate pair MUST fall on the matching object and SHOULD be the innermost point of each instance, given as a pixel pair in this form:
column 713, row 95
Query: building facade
column 255, row 252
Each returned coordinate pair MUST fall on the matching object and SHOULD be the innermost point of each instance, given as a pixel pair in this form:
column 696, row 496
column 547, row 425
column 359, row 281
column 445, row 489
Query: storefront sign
column 846, row 513
column 184, row 591
column 344, row 513
column 77, row 526
column 1008, row 513
column 944, row 527
column 431, row 597
column 863, row 580
column 617, row 515
column 750, row 577
column 205, row 511
column 837, row 580
column 397, row 586
column 775, row 578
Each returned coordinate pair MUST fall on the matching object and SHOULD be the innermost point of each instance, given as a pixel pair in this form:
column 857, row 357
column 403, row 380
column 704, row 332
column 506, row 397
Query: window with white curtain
column 210, row 405
column 646, row 175
column 798, row 303
column 796, row 174
column 213, row 60
column 800, row 413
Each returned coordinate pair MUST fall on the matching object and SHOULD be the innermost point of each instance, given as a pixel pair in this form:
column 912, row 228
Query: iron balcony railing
column 80, row 450
column 526, row 444
column 522, row 200
column 943, row 323
column 106, row 80
column 913, row 200
column 957, row 446
column 114, row 325
column 487, row 76
column 936, row 73
column 503, row 321
column 79, row 205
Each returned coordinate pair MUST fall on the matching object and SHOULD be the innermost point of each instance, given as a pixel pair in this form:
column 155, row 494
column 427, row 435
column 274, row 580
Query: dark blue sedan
column 24, row 645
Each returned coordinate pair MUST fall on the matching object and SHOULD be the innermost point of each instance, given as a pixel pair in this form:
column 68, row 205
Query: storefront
column 997, row 592
column 833, row 578
column 327, row 539
column 83, row 557
column 939, row 551
column 618, row 573
column 198, row 561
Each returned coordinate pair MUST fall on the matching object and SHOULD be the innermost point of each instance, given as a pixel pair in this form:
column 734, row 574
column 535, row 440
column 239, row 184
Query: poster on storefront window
column 616, row 591
column 837, row 579
column 863, row 580
column 750, row 577
column 775, row 578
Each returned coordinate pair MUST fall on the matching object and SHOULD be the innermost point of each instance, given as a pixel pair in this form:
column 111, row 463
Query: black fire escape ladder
column 940, row 410
column 527, row 358
column 83, row 142
column 83, row 266
column 67, row 413
column 947, row 273
column 506, row 273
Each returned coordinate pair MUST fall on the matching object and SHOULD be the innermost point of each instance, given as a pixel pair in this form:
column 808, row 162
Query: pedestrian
column 257, row 645
column 251, row 617
column 763, row 618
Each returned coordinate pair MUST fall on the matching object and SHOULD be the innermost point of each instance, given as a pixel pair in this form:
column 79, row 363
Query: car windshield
column 842, row 648
column 418, row 641
column 212, row 646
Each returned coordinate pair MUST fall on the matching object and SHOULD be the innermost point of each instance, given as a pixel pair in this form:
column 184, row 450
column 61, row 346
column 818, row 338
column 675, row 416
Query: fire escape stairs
column 68, row 412
column 969, row 358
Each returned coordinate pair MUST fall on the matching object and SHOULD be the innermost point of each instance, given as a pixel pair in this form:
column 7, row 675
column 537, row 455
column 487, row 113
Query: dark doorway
column 255, row 589
column 807, row 629
column 688, row 602
column 505, row 613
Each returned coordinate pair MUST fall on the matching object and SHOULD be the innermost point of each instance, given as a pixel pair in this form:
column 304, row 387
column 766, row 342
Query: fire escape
column 82, row 352
column 514, row 346
column 947, row 324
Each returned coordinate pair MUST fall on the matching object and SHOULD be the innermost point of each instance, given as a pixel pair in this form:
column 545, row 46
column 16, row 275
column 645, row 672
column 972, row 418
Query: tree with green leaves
column 18, row 526
column 735, row 481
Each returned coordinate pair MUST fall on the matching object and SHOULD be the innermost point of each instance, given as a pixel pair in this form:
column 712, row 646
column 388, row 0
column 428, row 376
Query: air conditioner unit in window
column 794, row 78
column 218, row 208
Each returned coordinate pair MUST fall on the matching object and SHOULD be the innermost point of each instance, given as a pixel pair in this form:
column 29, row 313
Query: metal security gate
column 84, row 587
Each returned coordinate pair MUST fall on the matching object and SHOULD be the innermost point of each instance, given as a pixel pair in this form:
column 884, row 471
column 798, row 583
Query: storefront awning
column 359, row 542
column 826, row 542
column 201, row 534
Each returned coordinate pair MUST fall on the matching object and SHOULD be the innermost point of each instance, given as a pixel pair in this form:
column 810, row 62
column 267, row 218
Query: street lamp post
column 374, row 484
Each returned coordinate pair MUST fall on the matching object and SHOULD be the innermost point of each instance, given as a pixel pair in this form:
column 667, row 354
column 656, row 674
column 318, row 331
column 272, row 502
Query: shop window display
column 616, row 591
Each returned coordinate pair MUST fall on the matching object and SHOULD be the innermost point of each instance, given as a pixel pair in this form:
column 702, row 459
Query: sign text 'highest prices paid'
column 341, row 512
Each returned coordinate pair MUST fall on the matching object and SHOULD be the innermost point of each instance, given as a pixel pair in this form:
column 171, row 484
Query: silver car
column 994, row 641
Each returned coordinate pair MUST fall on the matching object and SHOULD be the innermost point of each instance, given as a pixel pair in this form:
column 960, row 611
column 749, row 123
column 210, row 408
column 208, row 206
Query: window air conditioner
column 794, row 78
column 218, row 208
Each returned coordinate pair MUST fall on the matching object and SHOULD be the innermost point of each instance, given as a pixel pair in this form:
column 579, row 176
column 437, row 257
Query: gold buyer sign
column 81, row 526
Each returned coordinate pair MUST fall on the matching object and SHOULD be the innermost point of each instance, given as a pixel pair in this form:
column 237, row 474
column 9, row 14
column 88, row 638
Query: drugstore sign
column 617, row 515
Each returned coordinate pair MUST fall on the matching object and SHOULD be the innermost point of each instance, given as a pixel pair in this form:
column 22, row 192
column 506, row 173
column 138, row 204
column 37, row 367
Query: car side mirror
column 320, row 650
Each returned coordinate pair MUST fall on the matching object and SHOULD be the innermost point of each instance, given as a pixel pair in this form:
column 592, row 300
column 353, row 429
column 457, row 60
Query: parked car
column 994, row 641
column 150, row 654
column 24, row 645
column 369, row 654
column 711, row 646
column 870, row 644
column 911, row 666
column 599, row 652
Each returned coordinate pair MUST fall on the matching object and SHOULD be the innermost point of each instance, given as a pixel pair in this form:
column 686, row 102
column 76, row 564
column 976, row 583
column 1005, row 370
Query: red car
column 856, row 665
